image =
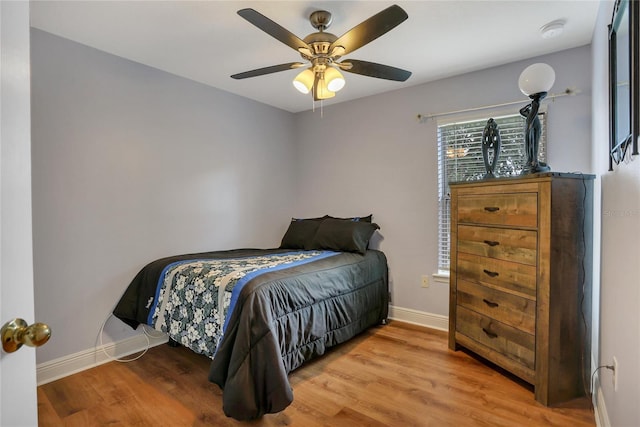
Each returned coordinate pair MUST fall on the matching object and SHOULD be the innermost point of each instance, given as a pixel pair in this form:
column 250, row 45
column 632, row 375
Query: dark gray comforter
column 287, row 317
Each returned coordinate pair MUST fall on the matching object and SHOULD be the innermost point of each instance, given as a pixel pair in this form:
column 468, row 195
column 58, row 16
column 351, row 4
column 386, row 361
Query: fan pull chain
column 313, row 104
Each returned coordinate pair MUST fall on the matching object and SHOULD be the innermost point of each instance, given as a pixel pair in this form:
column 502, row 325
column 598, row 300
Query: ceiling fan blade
column 272, row 28
column 268, row 70
column 372, row 69
column 370, row 29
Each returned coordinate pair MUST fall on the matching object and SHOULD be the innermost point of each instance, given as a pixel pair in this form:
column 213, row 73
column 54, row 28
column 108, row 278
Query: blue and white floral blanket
column 194, row 297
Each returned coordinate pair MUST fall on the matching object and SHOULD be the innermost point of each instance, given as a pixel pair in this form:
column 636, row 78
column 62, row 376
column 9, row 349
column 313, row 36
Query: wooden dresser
column 520, row 286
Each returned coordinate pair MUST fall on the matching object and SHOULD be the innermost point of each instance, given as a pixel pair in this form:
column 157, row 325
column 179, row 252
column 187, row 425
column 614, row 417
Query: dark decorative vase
column 490, row 141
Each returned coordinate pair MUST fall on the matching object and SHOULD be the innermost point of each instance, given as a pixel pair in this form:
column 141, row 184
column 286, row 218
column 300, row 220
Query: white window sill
column 441, row 277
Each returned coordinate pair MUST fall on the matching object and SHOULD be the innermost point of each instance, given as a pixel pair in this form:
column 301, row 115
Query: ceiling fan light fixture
column 322, row 91
column 304, row 81
column 334, row 79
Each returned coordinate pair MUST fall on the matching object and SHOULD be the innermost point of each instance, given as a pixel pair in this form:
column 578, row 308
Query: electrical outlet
column 425, row 281
column 615, row 374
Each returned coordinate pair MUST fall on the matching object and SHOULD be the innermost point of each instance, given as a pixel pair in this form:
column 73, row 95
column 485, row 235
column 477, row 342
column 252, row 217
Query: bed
column 261, row 313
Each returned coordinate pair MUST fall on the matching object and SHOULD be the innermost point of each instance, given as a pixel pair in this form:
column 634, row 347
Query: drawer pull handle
column 489, row 333
column 490, row 303
column 491, row 273
column 491, row 208
column 491, row 242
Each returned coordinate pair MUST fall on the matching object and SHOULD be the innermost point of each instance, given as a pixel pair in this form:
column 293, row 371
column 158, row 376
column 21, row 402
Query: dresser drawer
column 499, row 209
column 513, row 343
column 510, row 309
column 512, row 277
column 500, row 243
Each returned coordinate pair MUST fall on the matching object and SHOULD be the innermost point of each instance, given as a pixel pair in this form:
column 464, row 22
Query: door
column 18, row 398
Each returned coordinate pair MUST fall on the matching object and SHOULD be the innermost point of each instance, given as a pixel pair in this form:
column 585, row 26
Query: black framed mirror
column 624, row 106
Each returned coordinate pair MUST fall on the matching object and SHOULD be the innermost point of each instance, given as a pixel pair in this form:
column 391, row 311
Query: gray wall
column 132, row 164
column 619, row 291
column 373, row 156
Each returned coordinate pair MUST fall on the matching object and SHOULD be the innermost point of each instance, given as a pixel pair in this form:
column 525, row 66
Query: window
column 460, row 159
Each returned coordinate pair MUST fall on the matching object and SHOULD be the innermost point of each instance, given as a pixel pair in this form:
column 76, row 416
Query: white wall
column 619, row 269
column 373, row 156
column 132, row 164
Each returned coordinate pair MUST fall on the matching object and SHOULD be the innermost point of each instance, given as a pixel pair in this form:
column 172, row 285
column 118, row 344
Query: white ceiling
column 207, row 41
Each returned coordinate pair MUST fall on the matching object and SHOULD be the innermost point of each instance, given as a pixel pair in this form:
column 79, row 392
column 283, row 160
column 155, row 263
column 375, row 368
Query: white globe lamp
column 536, row 78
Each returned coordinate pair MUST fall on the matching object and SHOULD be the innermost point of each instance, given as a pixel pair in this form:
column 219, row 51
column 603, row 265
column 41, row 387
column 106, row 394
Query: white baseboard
column 77, row 362
column 430, row 320
column 597, row 397
column 600, row 409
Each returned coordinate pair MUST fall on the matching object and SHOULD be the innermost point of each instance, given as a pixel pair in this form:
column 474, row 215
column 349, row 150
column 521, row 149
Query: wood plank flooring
column 393, row 375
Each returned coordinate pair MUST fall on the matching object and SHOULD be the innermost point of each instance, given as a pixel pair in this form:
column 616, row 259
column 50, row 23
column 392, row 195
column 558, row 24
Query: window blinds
column 460, row 159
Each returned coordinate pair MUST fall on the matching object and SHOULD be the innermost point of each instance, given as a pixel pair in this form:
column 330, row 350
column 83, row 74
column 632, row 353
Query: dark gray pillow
column 343, row 235
column 300, row 233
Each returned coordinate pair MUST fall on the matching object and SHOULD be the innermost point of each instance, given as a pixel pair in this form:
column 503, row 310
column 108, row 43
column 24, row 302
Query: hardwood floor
column 393, row 375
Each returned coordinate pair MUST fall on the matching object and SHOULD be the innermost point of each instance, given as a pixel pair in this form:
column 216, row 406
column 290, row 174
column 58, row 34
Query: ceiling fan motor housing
column 320, row 42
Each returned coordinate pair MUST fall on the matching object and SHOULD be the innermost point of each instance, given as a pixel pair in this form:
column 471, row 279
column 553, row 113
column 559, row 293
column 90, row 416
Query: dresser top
column 521, row 178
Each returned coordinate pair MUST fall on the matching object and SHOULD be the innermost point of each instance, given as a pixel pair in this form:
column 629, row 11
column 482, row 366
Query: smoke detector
column 552, row 29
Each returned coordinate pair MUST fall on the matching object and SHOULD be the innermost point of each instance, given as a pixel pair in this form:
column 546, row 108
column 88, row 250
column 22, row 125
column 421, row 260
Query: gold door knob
column 18, row 332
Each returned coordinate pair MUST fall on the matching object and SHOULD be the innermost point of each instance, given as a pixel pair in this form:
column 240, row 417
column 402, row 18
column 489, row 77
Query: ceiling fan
column 323, row 51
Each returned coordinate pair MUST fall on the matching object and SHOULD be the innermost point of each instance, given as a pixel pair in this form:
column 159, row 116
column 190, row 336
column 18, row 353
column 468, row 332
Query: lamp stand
column 532, row 132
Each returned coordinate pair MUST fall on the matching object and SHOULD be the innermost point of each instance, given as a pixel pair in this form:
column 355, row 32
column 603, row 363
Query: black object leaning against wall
column 624, row 80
